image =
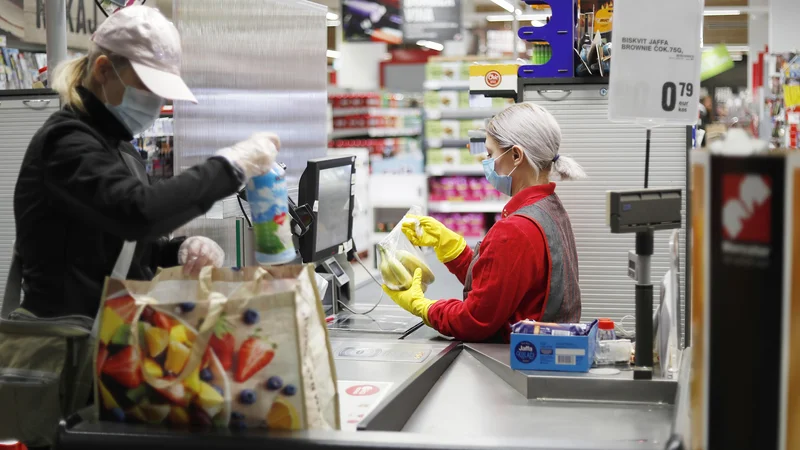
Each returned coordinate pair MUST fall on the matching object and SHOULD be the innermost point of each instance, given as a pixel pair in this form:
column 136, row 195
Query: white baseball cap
column 152, row 45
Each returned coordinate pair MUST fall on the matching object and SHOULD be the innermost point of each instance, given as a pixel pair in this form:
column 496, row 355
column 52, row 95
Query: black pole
column 647, row 160
column 643, row 364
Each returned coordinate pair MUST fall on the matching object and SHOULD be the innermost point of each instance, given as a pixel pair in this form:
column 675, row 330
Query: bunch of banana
column 412, row 263
column 395, row 276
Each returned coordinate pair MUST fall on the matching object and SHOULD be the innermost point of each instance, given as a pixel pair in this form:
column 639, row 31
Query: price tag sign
column 655, row 64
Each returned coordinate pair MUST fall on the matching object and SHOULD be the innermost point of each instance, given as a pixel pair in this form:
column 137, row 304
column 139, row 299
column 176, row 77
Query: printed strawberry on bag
column 247, row 375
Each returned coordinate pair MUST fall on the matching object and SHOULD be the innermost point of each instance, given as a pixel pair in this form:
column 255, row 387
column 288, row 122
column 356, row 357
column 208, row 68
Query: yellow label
column 603, row 19
column 479, row 70
column 698, row 300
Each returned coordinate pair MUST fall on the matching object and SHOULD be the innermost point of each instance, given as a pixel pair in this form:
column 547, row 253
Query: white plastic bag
column 399, row 259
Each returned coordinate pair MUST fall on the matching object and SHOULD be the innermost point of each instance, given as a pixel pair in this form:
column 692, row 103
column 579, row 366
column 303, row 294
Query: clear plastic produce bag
column 399, row 259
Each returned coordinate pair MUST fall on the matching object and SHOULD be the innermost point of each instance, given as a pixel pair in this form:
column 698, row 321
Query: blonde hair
column 69, row 75
column 534, row 130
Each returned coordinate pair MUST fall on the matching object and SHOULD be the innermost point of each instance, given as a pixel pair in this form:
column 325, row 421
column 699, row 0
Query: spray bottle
column 269, row 206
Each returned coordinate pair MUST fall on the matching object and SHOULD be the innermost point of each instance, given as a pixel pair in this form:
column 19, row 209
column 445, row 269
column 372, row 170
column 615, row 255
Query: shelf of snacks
column 464, row 194
column 376, row 132
column 372, row 111
column 469, row 225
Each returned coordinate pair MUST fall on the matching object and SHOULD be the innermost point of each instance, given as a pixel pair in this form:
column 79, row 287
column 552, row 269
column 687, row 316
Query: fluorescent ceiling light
column 334, row 23
column 505, row 5
column 332, row 16
column 721, row 12
column 431, row 45
column 333, row 54
column 522, row 17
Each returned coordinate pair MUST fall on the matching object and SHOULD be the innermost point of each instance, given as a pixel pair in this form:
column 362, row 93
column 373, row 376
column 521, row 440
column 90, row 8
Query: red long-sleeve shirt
column 509, row 279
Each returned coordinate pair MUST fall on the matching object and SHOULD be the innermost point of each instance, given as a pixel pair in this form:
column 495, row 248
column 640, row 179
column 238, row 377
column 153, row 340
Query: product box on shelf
column 385, row 147
column 361, row 100
column 467, row 225
column 462, row 189
column 444, row 71
column 444, row 157
column 451, row 129
column 471, row 124
column 441, row 99
column 556, row 353
column 463, row 100
column 468, row 159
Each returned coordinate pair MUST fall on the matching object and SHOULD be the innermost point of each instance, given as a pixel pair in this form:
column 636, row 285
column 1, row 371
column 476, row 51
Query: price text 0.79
column 670, row 93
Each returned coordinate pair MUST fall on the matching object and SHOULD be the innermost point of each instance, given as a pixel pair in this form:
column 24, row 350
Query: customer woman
column 83, row 205
column 527, row 266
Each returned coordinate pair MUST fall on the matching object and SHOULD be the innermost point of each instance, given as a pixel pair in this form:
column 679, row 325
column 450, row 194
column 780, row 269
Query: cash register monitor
column 327, row 187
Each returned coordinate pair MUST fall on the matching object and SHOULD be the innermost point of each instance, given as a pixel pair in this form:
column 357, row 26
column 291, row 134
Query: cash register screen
column 333, row 216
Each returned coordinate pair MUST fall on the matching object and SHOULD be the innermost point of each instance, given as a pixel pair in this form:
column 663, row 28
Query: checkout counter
column 404, row 386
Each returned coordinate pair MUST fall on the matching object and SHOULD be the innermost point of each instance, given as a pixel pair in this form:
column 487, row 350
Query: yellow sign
column 791, row 96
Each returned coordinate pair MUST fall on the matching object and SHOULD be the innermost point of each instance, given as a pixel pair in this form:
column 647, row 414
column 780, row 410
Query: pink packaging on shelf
column 436, row 193
column 462, row 188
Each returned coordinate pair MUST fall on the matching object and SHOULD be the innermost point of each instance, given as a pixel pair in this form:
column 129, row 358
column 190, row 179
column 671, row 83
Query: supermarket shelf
column 447, row 143
column 466, row 207
column 375, row 111
column 437, row 170
column 471, row 113
column 433, row 85
column 374, row 132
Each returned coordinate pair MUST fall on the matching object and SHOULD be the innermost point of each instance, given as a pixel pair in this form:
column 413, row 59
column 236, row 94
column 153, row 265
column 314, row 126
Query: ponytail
column 567, row 168
column 68, row 76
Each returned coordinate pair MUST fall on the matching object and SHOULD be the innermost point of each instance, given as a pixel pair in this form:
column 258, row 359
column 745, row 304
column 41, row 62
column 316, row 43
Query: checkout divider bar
column 397, row 408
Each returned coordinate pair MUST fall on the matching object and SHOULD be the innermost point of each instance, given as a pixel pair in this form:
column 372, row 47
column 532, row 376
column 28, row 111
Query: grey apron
column 563, row 301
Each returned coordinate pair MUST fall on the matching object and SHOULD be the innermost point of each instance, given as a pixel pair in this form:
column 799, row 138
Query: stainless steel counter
column 471, row 400
column 440, row 394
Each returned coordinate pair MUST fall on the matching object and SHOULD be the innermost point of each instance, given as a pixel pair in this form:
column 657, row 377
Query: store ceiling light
column 334, row 23
column 505, row 5
column 521, row 17
column 333, row 54
column 431, row 45
column 332, row 16
column 721, row 12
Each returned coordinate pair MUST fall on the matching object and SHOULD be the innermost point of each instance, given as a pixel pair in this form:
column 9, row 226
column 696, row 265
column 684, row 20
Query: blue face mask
column 139, row 109
column 500, row 182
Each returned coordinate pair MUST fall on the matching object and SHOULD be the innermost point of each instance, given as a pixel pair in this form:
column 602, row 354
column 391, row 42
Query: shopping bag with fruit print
column 233, row 348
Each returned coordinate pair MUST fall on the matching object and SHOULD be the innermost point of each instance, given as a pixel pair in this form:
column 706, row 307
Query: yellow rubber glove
column 412, row 300
column 447, row 243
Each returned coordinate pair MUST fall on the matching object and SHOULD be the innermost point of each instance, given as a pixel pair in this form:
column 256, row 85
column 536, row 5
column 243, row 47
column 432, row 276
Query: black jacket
column 82, row 191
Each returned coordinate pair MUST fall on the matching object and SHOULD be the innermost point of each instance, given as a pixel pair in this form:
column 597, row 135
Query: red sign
column 746, row 208
column 493, row 78
column 362, row 390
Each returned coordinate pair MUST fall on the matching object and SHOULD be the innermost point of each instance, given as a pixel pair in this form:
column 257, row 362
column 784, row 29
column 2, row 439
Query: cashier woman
column 527, row 266
column 83, row 192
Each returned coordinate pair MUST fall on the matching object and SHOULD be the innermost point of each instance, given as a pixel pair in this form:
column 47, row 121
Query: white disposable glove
column 197, row 252
column 254, row 156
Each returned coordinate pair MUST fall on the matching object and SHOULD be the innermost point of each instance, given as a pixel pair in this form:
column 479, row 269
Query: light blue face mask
column 139, row 109
column 500, row 182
